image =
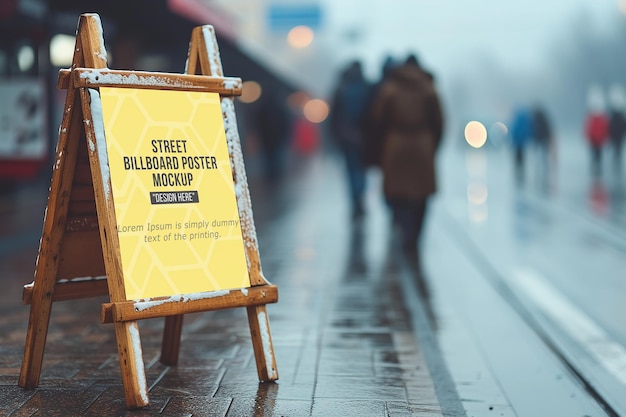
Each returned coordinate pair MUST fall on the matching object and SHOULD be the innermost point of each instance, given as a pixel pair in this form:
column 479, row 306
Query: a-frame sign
column 170, row 171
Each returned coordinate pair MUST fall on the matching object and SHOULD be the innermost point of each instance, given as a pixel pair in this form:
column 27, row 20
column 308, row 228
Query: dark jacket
column 541, row 127
column 408, row 113
column 617, row 126
column 348, row 110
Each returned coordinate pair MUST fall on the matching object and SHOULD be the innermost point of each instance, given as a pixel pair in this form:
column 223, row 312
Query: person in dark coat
column 273, row 124
column 543, row 137
column 372, row 133
column 347, row 124
column 408, row 111
column 617, row 128
column 617, row 124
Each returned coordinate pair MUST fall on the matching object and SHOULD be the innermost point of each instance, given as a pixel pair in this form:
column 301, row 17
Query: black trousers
column 409, row 216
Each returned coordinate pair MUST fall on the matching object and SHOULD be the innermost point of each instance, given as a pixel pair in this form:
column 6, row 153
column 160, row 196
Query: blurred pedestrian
column 347, row 118
column 306, row 137
column 617, row 124
column 408, row 112
column 273, row 123
column 521, row 134
column 373, row 134
column 596, row 128
column 543, row 137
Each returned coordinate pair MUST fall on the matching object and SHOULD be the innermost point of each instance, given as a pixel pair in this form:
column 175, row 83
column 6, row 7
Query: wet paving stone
column 197, row 406
column 12, row 397
column 343, row 340
column 358, row 388
column 325, row 407
column 191, row 381
column 269, row 408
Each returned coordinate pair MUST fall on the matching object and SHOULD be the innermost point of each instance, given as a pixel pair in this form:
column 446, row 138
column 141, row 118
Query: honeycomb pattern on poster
column 173, row 191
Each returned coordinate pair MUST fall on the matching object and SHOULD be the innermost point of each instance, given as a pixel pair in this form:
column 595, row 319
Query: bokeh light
column 250, row 92
column 26, row 57
column 475, row 134
column 300, row 36
column 62, row 50
column 498, row 133
column 477, row 193
column 297, row 100
column 500, row 128
column 316, row 110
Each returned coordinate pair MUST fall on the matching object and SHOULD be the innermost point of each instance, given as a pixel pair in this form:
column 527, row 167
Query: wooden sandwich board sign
column 148, row 203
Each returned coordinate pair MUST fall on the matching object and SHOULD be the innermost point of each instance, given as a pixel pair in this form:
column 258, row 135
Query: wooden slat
column 71, row 290
column 82, row 193
column 170, row 344
column 94, row 78
column 194, row 303
column 82, row 224
column 82, row 199
column 81, row 255
column 81, row 208
column 82, row 176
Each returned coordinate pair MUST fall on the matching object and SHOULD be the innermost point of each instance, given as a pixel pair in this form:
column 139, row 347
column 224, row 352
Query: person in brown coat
column 408, row 114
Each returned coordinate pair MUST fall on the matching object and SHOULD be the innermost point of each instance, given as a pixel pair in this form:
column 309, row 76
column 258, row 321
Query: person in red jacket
column 596, row 129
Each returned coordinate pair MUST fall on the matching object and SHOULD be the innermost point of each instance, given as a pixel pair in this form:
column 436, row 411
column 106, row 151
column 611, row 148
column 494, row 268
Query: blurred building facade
column 150, row 35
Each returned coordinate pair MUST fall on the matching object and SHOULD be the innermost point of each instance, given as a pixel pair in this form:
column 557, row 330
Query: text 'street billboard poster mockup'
column 177, row 219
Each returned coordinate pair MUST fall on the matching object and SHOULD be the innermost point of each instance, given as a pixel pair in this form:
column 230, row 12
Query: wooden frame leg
column 131, row 363
column 170, row 346
column 262, row 343
column 36, row 335
column 46, row 270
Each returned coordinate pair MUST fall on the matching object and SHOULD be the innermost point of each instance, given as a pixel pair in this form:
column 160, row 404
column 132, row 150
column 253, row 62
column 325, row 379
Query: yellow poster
column 178, row 224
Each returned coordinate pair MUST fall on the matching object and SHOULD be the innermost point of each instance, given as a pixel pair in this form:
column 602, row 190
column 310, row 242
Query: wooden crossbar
column 92, row 78
column 184, row 304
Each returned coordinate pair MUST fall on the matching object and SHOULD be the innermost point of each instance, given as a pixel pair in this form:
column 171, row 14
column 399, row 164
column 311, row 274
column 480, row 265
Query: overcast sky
column 448, row 33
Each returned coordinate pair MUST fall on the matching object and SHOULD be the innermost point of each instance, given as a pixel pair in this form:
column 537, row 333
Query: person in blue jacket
column 521, row 133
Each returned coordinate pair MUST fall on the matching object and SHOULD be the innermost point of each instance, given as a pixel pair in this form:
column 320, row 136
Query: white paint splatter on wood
column 133, row 330
column 212, row 51
column 98, row 128
column 179, row 298
column 267, row 345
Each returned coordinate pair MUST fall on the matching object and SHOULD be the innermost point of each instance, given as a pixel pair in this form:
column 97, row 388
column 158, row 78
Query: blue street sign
column 283, row 17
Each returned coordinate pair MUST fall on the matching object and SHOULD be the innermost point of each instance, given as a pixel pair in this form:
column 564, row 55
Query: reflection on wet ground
column 341, row 330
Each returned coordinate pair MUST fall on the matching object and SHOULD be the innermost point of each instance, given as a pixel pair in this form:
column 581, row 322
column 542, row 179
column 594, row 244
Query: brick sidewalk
column 342, row 334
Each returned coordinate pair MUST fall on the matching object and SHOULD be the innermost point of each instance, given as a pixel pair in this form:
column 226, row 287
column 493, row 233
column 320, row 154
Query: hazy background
column 487, row 55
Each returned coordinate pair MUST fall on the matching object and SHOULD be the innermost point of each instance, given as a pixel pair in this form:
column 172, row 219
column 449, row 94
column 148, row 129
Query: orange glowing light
column 475, row 134
column 250, row 92
column 300, row 36
column 316, row 110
